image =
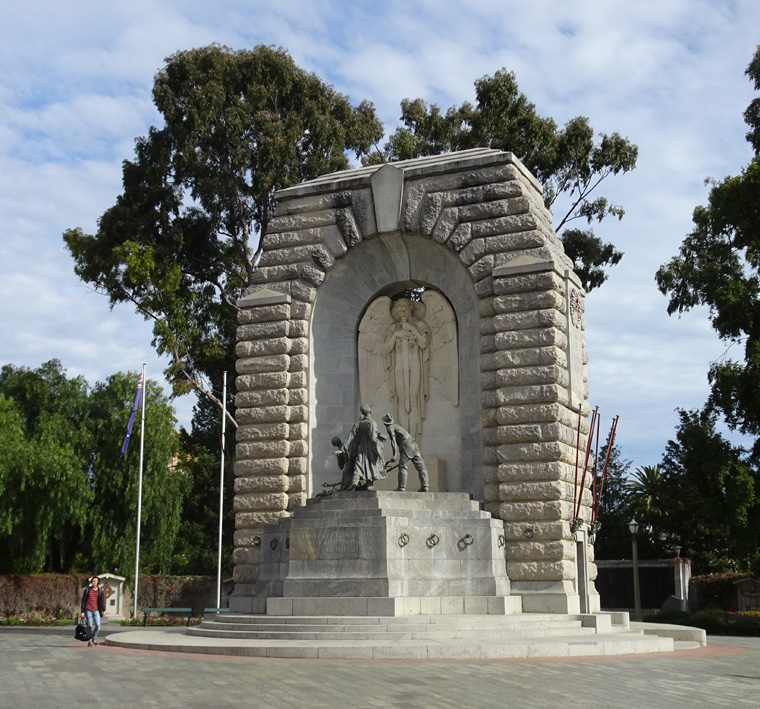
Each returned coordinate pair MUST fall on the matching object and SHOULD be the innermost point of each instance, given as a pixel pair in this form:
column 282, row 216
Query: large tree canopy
column 718, row 265
column 66, row 497
column 708, row 498
column 568, row 161
column 182, row 239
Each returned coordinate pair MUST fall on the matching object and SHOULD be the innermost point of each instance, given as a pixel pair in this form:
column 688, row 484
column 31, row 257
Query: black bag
column 82, row 631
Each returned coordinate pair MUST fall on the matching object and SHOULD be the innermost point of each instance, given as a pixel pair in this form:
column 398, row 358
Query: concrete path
column 48, row 668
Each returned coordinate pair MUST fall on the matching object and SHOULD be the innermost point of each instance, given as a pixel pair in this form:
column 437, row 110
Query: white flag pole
column 139, row 487
column 221, row 496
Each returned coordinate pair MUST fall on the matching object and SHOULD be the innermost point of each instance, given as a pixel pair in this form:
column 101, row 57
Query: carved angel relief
column 403, row 345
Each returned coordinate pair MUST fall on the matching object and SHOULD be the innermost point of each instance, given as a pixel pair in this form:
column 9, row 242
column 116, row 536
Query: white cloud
column 76, row 91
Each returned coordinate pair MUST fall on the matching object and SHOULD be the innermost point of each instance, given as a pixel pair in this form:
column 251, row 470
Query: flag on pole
column 136, row 404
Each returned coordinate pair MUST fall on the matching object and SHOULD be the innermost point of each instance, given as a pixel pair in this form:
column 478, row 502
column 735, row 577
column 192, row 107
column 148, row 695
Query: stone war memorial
column 460, row 249
column 414, row 326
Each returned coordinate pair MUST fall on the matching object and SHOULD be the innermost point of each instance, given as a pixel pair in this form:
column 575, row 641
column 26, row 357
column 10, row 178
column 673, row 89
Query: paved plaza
column 48, row 668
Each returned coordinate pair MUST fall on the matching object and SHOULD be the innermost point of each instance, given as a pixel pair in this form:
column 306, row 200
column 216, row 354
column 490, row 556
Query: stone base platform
column 380, row 553
column 415, row 637
column 400, row 606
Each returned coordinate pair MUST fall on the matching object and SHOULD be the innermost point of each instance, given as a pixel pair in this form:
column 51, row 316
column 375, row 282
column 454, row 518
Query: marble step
column 430, row 649
column 380, row 632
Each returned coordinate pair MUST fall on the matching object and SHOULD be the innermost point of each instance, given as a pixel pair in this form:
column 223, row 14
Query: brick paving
column 48, row 668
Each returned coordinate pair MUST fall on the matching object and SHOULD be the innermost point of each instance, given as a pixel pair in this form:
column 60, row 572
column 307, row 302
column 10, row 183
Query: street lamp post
column 633, row 526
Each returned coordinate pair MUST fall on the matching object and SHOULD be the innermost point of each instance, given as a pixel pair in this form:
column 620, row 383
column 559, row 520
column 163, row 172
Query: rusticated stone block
column 262, row 380
column 247, row 537
column 533, row 491
column 245, row 573
column 297, row 432
column 491, row 493
column 529, row 433
column 262, row 432
column 274, row 346
column 297, row 466
column 250, row 520
column 258, row 502
column 544, row 470
column 541, row 551
column 271, row 414
column 540, row 337
column 297, row 397
column 486, row 308
column 296, row 380
column 262, row 397
column 530, row 394
column 266, row 483
column 304, row 223
column 298, row 448
column 487, row 344
column 540, row 531
column 538, row 511
column 484, row 287
column 297, row 483
column 296, row 500
column 501, row 245
column 302, row 290
column 544, row 280
column 265, row 363
column 246, row 555
column 264, row 313
column 528, row 357
column 262, row 449
column 489, row 418
column 538, row 413
column 448, row 221
column 491, row 474
column 545, row 450
column 507, row 322
column 263, row 330
column 540, row 570
column 534, row 301
column 298, row 363
column 482, row 268
column 263, row 466
column 520, row 376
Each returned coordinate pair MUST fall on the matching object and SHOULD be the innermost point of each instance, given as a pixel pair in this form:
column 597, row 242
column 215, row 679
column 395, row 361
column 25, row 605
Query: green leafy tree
column 196, row 551
column 46, row 496
column 66, row 498
column 115, row 480
column 711, row 495
column 613, row 541
column 718, row 265
column 183, row 238
column 569, row 162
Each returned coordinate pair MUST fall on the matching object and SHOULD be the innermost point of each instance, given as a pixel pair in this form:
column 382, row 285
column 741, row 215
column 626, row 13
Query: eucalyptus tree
column 569, row 161
column 184, row 236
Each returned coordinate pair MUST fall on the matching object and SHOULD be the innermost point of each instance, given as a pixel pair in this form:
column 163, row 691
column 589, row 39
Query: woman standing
column 93, row 606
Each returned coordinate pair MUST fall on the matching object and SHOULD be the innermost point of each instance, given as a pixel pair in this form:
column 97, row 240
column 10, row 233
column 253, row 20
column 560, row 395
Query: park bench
column 174, row 612
column 215, row 610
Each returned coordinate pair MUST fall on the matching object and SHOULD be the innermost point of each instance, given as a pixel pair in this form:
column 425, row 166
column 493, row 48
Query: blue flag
column 136, row 404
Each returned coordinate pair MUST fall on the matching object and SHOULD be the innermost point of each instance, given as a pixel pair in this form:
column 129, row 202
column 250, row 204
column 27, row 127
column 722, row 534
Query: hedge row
column 60, row 595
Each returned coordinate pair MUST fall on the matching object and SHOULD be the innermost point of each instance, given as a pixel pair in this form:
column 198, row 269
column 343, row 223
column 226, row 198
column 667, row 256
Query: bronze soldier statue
column 407, row 448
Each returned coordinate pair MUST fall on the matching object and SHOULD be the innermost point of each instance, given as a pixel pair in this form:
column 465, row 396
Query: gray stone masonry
column 378, row 546
column 473, row 226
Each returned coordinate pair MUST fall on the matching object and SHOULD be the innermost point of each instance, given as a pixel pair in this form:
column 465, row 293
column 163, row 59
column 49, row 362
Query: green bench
column 215, row 610
column 174, row 612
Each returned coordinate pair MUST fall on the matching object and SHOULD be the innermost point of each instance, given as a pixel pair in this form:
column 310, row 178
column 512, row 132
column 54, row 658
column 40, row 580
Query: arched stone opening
column 381, row 266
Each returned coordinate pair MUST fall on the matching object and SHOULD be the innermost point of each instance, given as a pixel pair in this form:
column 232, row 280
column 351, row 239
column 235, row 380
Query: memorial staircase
column 429, row 637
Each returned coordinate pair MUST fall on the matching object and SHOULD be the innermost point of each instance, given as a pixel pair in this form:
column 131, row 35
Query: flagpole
column 139, row 488
column 221, row 496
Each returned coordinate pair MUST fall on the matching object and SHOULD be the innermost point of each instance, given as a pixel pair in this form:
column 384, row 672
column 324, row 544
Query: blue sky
column 75, row 91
